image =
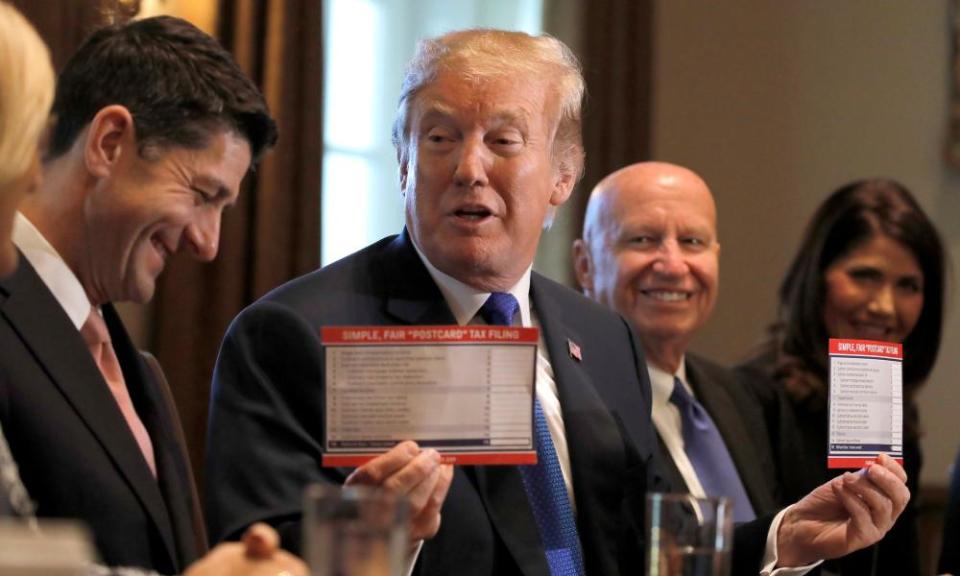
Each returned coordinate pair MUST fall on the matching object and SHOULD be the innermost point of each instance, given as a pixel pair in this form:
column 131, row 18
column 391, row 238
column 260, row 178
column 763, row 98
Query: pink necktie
column 97, row 337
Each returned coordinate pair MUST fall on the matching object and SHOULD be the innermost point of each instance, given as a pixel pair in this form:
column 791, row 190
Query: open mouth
column 667, row 295
column 473, row 213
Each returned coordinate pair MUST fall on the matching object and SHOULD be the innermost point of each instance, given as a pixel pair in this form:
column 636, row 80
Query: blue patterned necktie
column 709, row 455
column 544, row 482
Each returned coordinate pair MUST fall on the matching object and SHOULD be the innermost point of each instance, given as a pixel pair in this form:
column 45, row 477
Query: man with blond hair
column 488, row 140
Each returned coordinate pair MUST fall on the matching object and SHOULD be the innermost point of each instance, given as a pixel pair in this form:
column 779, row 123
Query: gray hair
column 485, row 53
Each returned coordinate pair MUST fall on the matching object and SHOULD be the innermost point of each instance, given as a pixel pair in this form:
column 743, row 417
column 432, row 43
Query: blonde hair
column 26, row 92
column 485, row 53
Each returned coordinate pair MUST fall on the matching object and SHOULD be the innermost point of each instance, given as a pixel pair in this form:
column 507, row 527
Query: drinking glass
column 354, row 531
column 688, row 536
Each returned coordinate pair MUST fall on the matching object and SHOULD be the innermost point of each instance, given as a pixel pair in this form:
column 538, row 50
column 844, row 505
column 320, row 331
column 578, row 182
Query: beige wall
column 778, row 103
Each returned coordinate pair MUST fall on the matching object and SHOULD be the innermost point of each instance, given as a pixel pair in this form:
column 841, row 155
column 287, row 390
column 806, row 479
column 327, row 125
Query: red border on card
column 460, row 458
column 871, row 348
column 394, row 335
column 853, row 462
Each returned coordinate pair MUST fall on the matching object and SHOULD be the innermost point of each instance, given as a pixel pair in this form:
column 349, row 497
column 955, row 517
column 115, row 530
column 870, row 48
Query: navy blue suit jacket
column 267, row 409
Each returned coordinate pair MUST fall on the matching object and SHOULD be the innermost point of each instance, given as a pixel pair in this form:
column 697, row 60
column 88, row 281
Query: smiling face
column 653, row 256
column 149, row 208
column 478, row 175
column 873, row 292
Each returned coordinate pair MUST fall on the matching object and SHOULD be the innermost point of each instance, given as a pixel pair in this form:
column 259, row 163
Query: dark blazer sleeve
column 266, row 424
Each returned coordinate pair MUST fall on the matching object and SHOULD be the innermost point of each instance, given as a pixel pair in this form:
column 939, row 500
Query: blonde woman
column 26, row 93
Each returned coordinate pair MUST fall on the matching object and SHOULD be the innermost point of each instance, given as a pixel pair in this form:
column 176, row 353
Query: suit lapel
column 46, row 330
column 594, row 443
column 149, row 407
column 669, row 468
column 411, row 294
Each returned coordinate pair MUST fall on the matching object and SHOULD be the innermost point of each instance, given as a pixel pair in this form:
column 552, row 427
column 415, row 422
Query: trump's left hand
column 850, row 512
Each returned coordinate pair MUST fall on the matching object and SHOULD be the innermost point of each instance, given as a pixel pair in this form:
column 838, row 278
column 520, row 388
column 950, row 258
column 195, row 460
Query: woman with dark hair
column 871, row 267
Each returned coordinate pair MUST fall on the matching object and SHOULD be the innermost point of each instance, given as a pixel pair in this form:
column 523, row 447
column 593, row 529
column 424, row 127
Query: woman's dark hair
column 852, row 215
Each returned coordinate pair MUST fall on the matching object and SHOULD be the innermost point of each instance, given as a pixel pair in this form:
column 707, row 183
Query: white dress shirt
column 465, row 302
column 669, row 424
column 53, row 271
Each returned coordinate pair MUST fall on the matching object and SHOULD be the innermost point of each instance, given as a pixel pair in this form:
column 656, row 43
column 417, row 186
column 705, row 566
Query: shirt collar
column 465, row 300
column 52, row 269
column 661, row 382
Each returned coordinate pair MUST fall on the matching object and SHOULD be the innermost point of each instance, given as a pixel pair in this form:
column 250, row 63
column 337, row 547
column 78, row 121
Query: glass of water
column 688, row 536
column 355, row 531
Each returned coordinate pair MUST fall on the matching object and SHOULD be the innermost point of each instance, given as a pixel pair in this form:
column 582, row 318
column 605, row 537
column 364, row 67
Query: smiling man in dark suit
column 155, row 128
column 488, row 140
column 650, row 251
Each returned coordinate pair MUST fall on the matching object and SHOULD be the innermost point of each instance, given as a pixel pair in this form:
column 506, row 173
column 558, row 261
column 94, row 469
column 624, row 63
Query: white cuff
column 770, row 553
column 412, row 558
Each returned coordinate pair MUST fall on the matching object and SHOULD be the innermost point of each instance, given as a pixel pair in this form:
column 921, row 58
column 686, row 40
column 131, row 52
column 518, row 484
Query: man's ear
column 110, row 134
column 583, row 266
column 565, row 179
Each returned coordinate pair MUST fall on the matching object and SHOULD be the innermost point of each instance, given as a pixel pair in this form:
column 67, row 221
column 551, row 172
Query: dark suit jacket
column 740, row 419
column 267, row 419
column 77, row 456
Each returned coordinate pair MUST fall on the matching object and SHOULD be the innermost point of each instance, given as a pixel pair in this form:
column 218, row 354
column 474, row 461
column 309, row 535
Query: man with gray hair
column 488, row 141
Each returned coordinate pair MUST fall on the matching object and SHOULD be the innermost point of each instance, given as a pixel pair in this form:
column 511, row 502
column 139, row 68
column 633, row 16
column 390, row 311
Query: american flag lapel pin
column 574, row 350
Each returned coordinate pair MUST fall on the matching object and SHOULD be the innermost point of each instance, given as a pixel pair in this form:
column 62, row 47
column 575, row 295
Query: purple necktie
column 544, row 482
column 709, row 455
